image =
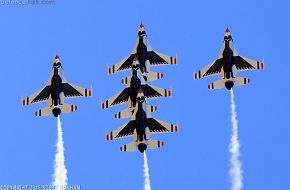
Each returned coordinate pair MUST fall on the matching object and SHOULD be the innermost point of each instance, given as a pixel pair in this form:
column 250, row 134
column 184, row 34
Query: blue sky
column 89, row 36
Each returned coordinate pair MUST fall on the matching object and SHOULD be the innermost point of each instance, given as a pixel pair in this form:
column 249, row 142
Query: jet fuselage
column 56, row 87
column 141, row 124
column 135, row 85
column 141, row 53
column 228, row 61
column 56, row 90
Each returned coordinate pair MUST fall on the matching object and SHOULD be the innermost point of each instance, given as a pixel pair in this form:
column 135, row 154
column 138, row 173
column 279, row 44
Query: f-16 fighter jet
column 55, row 92
column 227, row 65
column 141, row 126
column 146, row 56
column 133, row 84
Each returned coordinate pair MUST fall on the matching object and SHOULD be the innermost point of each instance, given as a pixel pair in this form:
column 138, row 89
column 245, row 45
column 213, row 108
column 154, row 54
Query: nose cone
column 227, row 32
column 135, row 62
column 56, row 59
column 56, row 62
column 140, row 93
column 141, row 26
column 141, row 29
column 140, row 96
column 142, row 147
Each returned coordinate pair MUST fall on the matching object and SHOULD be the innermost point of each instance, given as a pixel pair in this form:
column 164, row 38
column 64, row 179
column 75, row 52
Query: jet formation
column 55, row 92
column 136, row 94
column 227, row 65
column 137, row 91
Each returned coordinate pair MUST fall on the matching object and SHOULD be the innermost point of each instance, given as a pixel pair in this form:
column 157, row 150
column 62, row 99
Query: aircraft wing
column 243, row 64
column 214, row 68
column 158, row 59
column 122, row 65
column 157, row 126
column 73, row 91
column 151, row 92
column 41, row 95
column 124, row 131
column 121, row 98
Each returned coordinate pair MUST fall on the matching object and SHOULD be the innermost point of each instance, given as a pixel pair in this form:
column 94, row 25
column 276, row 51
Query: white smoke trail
column 235, row 172
column 147, row 185
column 60, row 172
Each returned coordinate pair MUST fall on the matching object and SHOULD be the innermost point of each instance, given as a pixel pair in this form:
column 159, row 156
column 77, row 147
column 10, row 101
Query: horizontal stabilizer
column 67, row 108
column 241, row 81
column 131, row 147
column 126, row 80
column 153, row 144
column 123, row 114
column 151, row 108
column 152, row 76
column 217, row 84
column 43, row 112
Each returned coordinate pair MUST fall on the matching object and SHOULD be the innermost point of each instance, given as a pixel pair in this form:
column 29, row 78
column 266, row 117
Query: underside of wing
column 73, row 91
column 243, row 63
column 124, row 131
column 157, row 59
column 212, row 69
column 155, row 92
column 39, row 96
column 158, row 126
column 124, row 64
column 120, row 98
column 123, row 97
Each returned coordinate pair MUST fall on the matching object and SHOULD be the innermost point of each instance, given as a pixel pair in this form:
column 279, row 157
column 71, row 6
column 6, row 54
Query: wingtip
column 263, row 64
column 91, row 90
column 107, row 137
column 195, row 75
column 102, row 104
column 109, row 70
column 177, row 127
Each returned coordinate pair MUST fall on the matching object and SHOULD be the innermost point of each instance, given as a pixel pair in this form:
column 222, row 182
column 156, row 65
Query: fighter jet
column 146, row 56
column 227, row 65
column 55, row 92
column 133, row 84
column 141, row 126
